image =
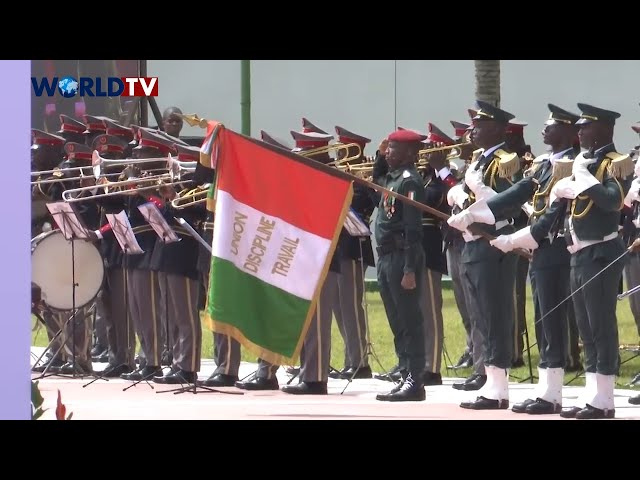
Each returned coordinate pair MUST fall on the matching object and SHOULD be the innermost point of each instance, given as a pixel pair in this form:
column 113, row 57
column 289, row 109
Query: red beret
column 406, row 136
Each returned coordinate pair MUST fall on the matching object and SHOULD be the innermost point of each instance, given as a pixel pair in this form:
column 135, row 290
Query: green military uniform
column 398, row 233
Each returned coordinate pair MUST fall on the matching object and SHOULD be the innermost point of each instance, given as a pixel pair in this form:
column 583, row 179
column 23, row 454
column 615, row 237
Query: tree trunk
column 488, row 81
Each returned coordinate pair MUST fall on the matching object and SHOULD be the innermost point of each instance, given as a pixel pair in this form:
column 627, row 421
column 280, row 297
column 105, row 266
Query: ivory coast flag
column 277, row 221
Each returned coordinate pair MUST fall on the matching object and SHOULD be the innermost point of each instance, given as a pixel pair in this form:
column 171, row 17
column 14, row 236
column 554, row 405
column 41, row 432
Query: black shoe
column 259, row 383
column 522, row 406
column 98, row 350
column 407, row 391
column 635, row 380
column 355, row 372
column 337, row 374
column 54, row 366
column 306, row 388
column 593, row 413
column 569, row 412
column 71, row 368
column 474, row 382
column 293, row 370
column 113, row 371
column 394, row 375
column 483, row 403
column 167, row 359
column 179, row 377
column 430, row 378
column 543, row 407
column 465, row 361
column 634, row 400
column 145, row 373
column 220, row 380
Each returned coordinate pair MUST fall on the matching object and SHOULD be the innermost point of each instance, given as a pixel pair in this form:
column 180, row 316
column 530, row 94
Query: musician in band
column 437, row 179
column 71, row 129
column 489, row 274
column 356, row 255
column 549, row 269
column 594, row 196
column 315, row 354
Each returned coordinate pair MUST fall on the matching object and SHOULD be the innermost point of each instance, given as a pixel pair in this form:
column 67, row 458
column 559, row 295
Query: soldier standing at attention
column 401, row 263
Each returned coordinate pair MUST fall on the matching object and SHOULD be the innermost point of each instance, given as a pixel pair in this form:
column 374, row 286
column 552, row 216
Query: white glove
column 633, row 194
column 528, row 209
column 457, row 196
column 462, row 220
column 580, row 164
column 636, row 168
column 520, row 239
column 98, row 234
column 473, row 179
column 564, row 188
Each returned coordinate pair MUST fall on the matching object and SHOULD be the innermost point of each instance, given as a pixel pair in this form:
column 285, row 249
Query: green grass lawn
column 454, row 342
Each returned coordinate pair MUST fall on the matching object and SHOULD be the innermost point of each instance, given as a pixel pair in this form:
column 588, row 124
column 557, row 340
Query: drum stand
column 369, row 346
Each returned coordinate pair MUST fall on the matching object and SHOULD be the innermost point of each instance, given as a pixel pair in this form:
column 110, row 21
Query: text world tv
column 69, row 87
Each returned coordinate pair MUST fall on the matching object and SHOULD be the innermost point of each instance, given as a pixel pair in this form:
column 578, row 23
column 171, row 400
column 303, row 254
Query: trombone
column 336, row 147
column 157, row 182
column 99, row 163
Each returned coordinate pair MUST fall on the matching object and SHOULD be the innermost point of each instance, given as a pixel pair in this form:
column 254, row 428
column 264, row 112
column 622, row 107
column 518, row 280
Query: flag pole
column 245, row 96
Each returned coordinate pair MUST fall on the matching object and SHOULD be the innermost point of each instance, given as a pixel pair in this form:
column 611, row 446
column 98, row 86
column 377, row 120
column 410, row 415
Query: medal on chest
column 388, row 203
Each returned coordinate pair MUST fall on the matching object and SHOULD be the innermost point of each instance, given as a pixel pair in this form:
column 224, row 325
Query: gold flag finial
column 194, row 120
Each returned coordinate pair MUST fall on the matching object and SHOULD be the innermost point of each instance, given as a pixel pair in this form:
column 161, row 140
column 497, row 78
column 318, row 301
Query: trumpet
column 361, row 170
column 191, row 197
column 177, row 168
column 456, row 150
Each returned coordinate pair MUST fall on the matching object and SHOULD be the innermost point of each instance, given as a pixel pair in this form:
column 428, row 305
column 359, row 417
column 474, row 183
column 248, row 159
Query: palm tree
column 488, row 81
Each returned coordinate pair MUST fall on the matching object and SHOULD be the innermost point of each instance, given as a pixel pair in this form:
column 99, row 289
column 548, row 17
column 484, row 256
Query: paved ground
column 105, row 399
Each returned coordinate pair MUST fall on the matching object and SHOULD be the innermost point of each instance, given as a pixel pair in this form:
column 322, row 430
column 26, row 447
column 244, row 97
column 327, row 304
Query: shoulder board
column 621, row 166
column 509, row 163
column 562, row 167
column 58, row 173
column 476, row 154
column 406, row 174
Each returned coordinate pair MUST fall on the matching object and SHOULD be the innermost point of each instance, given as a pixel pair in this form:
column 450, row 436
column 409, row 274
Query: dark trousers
column 550, row 286
column 454, row 267
column 490, row 282
column 119, row 326
column 595, row 305
column 522, row 270
column 403, row 310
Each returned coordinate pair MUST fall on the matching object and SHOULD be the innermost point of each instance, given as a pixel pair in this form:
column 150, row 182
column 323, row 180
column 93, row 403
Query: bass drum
column 52, row 270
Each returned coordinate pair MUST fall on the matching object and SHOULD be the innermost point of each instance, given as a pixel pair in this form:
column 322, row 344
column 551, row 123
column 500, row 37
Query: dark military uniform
column 398, row 232
column 549, row 269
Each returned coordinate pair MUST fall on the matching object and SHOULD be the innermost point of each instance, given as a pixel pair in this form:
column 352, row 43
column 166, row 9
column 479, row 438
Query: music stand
column 356, row 227
column 122, row 231
column 72, row 228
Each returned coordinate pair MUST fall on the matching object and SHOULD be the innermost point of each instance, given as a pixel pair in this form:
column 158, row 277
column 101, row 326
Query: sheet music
column 354, row 225
column 154, row 217
column 67, row 219
column 124, row 233
column 195, row 235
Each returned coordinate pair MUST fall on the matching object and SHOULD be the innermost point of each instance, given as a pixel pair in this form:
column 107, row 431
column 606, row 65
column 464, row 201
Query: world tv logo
column 69, row 87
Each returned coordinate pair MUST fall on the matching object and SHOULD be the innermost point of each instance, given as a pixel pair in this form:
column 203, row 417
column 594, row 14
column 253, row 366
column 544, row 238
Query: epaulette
column 536, row 164
column 540, row 158
column 562, row 167
column 508, row 163
column 58, row 173
column 476, row 154
column 406, row 174
column 621, row 166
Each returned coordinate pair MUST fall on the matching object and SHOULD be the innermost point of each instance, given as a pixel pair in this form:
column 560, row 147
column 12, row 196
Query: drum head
column 52, row 270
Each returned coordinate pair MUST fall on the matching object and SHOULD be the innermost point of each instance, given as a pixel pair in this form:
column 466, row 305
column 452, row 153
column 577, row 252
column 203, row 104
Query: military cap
column 187, row 153
column 94, row 124
column 151, row 139
column 310, row 140
column 516, row 126
column 266, row 138
column 135, row 129
column 595, row 114
column 436, row 135
column 345, row 136
column 78, row 151
column 636, row 127
column 307, row 127
column 70, row 125
column 114, row 128
column 459, row 128
column 472, row 113
column 486, row 111
column 42, row 138
column 173, row 139
column 108, row 143
column 559, row 115
column 406, row 136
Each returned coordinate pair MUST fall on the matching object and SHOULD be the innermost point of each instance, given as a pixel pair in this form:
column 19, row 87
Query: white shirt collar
column 555, row 156
column 487, row 153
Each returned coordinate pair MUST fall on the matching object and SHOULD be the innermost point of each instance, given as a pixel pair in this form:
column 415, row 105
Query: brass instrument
column 177, row 168
column 98, row 163
column 190, row 197
column 336, row 147
column 455, row 150
column 157, row 181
